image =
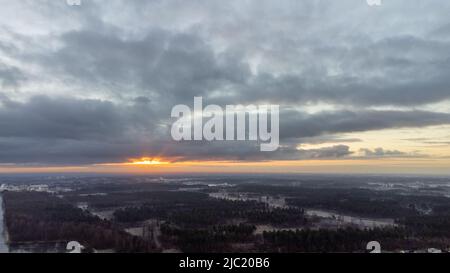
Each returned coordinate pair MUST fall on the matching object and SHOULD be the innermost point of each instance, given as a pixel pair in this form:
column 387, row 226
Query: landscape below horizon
column 224, row 214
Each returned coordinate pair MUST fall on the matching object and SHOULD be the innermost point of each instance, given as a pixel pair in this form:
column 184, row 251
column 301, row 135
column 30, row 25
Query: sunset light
column 147, row 161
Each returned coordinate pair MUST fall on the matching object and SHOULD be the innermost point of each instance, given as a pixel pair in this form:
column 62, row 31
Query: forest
column 188, row 219
column 43, row 217
column 211, row 212
column 357, row 201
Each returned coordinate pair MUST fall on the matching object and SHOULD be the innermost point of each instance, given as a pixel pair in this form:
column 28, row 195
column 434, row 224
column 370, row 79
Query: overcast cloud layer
column 96, row 83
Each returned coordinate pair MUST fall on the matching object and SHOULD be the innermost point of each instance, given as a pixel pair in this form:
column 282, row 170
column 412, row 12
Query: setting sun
column 147, row 161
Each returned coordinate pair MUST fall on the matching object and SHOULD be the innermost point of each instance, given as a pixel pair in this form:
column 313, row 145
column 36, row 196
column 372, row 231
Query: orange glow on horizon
column 143, row 161
column 149, row 165
column 147, row 161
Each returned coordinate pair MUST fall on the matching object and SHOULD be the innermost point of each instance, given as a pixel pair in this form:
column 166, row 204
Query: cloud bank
column 96, row 83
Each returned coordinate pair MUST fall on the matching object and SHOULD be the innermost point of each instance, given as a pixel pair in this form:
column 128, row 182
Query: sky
column 90, row 88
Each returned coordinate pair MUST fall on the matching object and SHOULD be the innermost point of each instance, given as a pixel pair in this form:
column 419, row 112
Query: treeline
column 358, row 201
column 42, row 217
column 213, row 239
column 341, row 240
column 117, row 185
column 429, row 226
column 134, row 198
column 357, row 206
column 212, row 212
column 196, row 212
column 282, row 217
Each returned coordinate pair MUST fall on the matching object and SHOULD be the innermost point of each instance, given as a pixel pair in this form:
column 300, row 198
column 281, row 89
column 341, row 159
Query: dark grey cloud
column 84, row 131
column 96, row 83
column 170, row 67
column 10, row 76
column 337, row 151
column 403, row 70
column 325, row 139
column 35, row 151
column 296, row 124
column 44, row 117
column 242, row 151
column 354, row 66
